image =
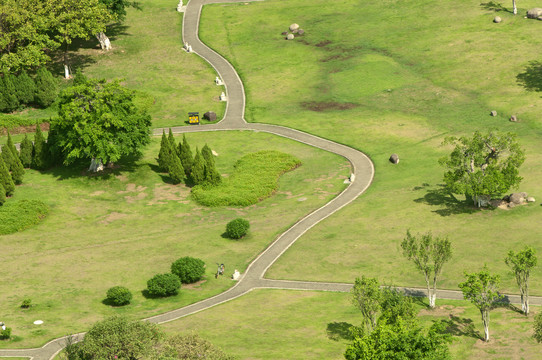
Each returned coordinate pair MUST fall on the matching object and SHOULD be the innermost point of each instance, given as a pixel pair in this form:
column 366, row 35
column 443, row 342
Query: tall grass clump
column 254, row 178
column 20, row 215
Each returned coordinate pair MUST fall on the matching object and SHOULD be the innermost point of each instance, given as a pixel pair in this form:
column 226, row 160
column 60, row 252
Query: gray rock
column 524, row 194
column 290, row 37
column 517, row 198
column 210, row 115
column 497, row 19
column 511, row 205
column 394, row 159
column 295, row 31
column 531, row 199
column 534, row 13
column 493, row 113
column 285, row 33
column 300, row 32
column 294, row 26
column 513, row 118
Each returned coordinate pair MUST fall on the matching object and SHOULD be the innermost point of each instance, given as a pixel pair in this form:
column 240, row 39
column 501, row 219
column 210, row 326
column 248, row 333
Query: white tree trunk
column 66, row 71
column 485, row 320
column 515, row 7
column 105, row 44
column 96, row 165
column 432, row 299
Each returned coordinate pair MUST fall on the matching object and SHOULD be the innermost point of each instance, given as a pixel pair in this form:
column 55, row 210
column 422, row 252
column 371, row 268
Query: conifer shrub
column 5, row 178
column 237, row 228
column 164, row 154
column 188, row 269
column 46, row 88
column 26, row 88
column 10, row 93
column 39, row 156
column 17, row 172
column 197, row 174
column 5, row 334
column 162, row 285
column 185, row 154
column 172, row 143
column 26, row 152
column 176, row 171
column 119, row 296
column 2, row 195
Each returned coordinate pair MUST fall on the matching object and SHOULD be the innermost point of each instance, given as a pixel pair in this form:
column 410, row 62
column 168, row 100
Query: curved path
column 233, row 119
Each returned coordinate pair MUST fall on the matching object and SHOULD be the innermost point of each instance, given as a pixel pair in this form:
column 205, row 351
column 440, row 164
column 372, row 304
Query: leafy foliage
column 189, row 347
column 538, row 327
column 164, row 285
column 26, row 152
column 366, row 296
column 484, row 165
column 197, row 174
column 19, row 215
column 188, row 269
column 11, row 121
column 26, row 303
column 39, row 156
column 26, row 88
column 46, row 88
column 119, row 296
column 185, row 154
column 99, row 120
column 5, row 179
column 254, row 178
column 5, row 334
column 2, row 194
column 8, row 91
column 521, row 264
column 237, row 228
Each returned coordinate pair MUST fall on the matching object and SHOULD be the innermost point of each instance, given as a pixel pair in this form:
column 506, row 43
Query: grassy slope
column 123, row 229
column 279, row 329
column 416, row 72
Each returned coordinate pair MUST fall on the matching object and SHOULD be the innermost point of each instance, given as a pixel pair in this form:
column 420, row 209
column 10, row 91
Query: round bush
column 188, row 269
column 237, row 228
column 164, row 285
column 119, row 295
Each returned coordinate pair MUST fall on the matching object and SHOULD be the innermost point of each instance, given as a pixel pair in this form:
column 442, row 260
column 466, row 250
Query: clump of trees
column 23, row 90
column 11, row 170
column 178, row 162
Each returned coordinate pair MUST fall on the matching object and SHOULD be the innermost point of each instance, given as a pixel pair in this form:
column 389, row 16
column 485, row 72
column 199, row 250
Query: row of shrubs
column 178, row 162
column 21, row 90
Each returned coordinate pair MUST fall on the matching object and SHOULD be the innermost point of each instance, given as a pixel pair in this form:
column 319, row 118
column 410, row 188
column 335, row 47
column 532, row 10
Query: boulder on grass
column 534, row 13
column 294, row 26
column 497, row 19
column 290, row 37
column 517, row 198
column 513, row 118
column 394, row 159
column 493, row 113
column 531, row 199
column 210, row 115
column 300, row 32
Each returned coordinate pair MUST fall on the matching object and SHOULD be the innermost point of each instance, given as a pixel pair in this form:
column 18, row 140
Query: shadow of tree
column 80, row 169
column 531, row 79
column 458, row 326
column 339, row 330
column 506, row 304
column 494, row 6
column 439, row 195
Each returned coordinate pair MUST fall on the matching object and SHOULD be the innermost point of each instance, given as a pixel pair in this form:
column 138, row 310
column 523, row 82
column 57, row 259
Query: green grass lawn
column 124, row 227
column 393, row 77
column 274, row 324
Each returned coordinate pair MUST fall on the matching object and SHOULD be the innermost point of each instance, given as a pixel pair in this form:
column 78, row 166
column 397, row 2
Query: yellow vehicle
column 193, row 118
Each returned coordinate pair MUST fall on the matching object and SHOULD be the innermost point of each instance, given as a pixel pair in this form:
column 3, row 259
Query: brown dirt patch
column 323, row 43
column 140, row 196
column 112, row 217
column 336, row 57
column 330, row 105
column 167, row 192
column 97, row 193
column 24, row 129
column 445, row 310
column 194, row 285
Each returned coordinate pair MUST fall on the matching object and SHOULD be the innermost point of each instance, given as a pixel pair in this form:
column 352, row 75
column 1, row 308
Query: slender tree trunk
column 515, row 11
column 66, row 66
column 430, row 295
column 105, row 44
column 96, row 165
column 485, row 320
column 525, row 300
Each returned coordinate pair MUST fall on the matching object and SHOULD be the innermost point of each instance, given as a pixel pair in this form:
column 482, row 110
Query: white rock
column 531, row 199
column 236, row 275
column 38, row 322
column 294, row 26
column 214, row 153
column 223, row 97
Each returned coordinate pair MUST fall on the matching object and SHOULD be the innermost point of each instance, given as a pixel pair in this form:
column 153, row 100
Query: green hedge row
column 19, row 215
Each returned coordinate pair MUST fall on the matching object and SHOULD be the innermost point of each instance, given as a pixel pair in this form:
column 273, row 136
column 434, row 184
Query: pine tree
column 172, row 144
column 46, row 87
column 186, row 157
column 54, row 153
column 7, row 156
column 17, row 172
column 212, row 176
column 207, row 154
column 26, row 152
column 26, row 88
column 3, row 102
column 5, row 178
column 165, row 153
column 197, row 174
column 10, row 93
column 2, row 195
column 176, row 171
column 39, row 156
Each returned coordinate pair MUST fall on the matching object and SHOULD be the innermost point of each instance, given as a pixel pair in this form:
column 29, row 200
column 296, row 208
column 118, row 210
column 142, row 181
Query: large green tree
column 99, row 120
column 521, row 264
column 481, row 289
column 483, row 166
column 429, row 255
column 366, row 296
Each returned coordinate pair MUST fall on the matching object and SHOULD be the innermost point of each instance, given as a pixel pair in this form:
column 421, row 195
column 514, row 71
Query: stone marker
column 210, row 115
column 290, row 37
column 517, row 198
column 394, row 159
column 513, row 118
column 219, row 81
column 497, row 19
column 223, row 97
column 493, row 113
column 180, row 7
column 294, row 26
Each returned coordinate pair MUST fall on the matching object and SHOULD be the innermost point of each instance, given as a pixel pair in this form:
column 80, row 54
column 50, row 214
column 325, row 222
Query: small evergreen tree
column 7, row 156
column 172, row 143
column 26, row 88
column 212, row 176
column 186, row 157
column 2, row 195
column 54, row 153
column 3, row 101
column 39, row 156
column 164, row 154
column 197, row 175
column 10, row 93
column 176, row 171
column 12, row 147
column 46, row 88
column 5, row 178
column 26, row 152
column 17, row 172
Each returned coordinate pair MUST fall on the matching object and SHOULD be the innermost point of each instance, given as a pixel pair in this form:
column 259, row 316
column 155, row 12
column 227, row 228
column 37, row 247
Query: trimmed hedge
column 164, row 285
column 237, row 228
column 119, row 296
column 19, row 215
column 188, row 269
column 11, row 121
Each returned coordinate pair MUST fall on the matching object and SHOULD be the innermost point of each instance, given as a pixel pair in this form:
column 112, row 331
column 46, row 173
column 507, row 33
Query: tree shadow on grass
column 494, row 6
column 440, row 196
column 506, row 304
column 108, row 302
column 339, row 330
column 458, row 326
column 531, row 79
column 80, row 169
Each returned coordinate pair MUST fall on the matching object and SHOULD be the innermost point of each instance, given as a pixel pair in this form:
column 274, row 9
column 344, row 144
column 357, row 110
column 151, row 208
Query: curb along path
column 233, row 119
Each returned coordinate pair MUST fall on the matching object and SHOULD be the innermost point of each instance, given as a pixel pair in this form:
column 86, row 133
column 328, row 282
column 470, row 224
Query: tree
column 26, row 88
column 119, row 296
column 481, row 290
column 429, row 255
column 2, row 194
column 366, row 296
column 188, row 269
column 395, row 305
column 46, row 88
column 9, row 100
column 164, row 154
column 17, row 171
column 175, row 171
column 197, row 174
column 521, row 265
column 212, row 176
column 538, row 327
column 172, row 143
column 237, row 228
column 164, row 285
column 117, row 9
column 26, row 152
column 483, row 166
column 99, row 121
column 5, row 178
column 39, row 157
column 515, row 9
column 185, row 154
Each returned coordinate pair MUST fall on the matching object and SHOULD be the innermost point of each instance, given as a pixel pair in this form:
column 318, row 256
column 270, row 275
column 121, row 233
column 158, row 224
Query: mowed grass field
column 125, row 226
column 273, row 324
column 394, row 77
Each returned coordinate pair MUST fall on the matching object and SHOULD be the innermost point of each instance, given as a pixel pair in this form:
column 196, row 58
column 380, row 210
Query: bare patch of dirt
column 122, row 177
column 24, row 129
column 323, row 43
column 336, row 57
column 97, row 193
column 330, row 105
column 194, row 285
column 445, row 310
column 112, row 217
column 140, row 196
column 167, row 192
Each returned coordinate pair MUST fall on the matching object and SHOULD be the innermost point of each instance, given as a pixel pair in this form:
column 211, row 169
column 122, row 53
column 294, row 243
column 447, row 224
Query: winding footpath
column 233, row 119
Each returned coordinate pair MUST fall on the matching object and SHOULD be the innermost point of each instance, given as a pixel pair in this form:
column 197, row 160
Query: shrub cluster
column 5, row 334
column 19, row 215
column 21, row 90
column 188, row 269
column 164, row 285
column 237, row 228
column 119, row 296
column 178, row 162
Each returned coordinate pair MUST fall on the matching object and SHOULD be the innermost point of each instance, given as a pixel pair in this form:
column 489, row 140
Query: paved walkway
column 253, row 278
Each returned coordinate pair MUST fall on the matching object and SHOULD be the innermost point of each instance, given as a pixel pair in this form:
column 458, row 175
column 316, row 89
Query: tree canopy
column 483, row 165
column 99, row 120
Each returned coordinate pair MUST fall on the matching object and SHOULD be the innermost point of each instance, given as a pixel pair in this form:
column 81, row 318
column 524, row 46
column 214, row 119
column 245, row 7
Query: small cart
column 193, row 118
